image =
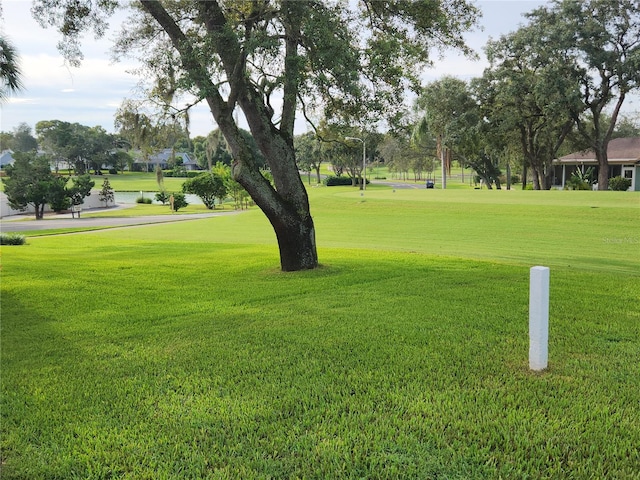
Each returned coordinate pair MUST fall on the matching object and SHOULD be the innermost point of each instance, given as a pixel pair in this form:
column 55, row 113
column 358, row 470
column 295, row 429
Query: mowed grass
column 138, row 181
column 181, row 351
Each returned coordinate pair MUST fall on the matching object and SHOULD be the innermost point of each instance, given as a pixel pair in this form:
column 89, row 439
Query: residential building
column 624, row 161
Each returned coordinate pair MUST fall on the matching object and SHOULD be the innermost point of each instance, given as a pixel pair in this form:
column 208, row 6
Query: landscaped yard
column 181, row 351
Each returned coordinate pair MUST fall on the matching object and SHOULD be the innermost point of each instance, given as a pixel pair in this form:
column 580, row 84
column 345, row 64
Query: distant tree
column 10, row 73
column 448, row 109
column 106, row 194
column 163, row 197
column 521, row 100
column 98, row 144
column 179, row 201
column 208, row 186
column 486, row 170
column 23, row 140
column 80, row 189
column 81, row 146
column 138, row 129
column 57, row 196
column 627, row 127
column 237, row 193
column 6, row 140
column 29, row 182
column 309, row 153
column 160, row 178
column 121, row 160
column 397, row 154
column 599, row 43
column 55, row 138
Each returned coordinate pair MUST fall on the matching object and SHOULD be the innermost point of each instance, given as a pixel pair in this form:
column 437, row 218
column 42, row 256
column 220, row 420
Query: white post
column 443, row 167
column 364, row 166
column 538, row 318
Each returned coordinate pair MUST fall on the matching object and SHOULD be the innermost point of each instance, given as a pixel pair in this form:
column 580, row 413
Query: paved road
column 13, row 224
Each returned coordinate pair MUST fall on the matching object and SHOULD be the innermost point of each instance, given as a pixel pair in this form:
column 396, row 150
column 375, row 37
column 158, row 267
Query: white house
column 6, row 158
column 624, row 161
column 163, row 157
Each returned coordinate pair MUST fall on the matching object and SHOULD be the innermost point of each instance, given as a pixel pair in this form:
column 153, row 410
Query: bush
column 179, row 201
column 581, row 180
column 574, row 183
column 11, row 239
column 179, row 171
column 334, row 181
column 619, row 184
column 162, row 197
column 144, row 200
column 193, row 173
column 113, row 171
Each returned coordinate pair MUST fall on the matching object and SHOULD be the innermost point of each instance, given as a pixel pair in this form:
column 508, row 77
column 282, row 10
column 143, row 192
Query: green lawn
column 181, row 351
column 137, row 181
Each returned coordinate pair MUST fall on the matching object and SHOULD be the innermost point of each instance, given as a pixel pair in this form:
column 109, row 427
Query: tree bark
column 286, row 206
column 39, row 208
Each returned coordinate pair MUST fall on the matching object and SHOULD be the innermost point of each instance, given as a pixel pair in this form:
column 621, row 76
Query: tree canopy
column 598, row 42
column 272, row 59
column 10, row 72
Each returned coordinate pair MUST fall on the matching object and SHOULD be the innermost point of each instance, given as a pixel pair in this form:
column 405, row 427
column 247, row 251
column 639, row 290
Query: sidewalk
column 23, row 217
column 64, row 220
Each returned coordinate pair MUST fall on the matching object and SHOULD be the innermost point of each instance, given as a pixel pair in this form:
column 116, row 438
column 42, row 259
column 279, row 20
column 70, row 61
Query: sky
column 91, row 94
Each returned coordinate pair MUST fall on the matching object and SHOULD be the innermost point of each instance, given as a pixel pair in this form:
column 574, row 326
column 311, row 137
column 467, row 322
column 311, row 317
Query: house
column 624, row 161
column 165, row 155
column 6, row 158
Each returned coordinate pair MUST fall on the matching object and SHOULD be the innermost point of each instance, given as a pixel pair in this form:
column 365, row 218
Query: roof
column 6, row 158
column 166, row 154
column 619, row 151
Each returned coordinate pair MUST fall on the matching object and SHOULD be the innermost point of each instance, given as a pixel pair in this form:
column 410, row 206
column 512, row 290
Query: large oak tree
column 272, row 58
column 599, row 41
column 524, row 93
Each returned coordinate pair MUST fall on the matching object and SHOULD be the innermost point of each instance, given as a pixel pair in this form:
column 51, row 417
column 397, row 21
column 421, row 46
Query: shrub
column 179, row 171
column 11, row 239
column 162, row 197
column 144, row 200
column 179, row 201
column 619, row 184
column 581, row 180
column 574, row 183
column 334, row 181
column 193, row 173
column 113, row 171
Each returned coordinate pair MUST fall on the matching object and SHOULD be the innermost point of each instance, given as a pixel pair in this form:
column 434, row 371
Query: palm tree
column 10, row 74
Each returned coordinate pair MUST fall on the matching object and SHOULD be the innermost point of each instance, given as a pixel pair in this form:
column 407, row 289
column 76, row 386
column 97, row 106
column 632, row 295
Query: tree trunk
column 603, row 174
column 296, row 242
column 39, row 208
column 287, row 205
column 536, row 178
